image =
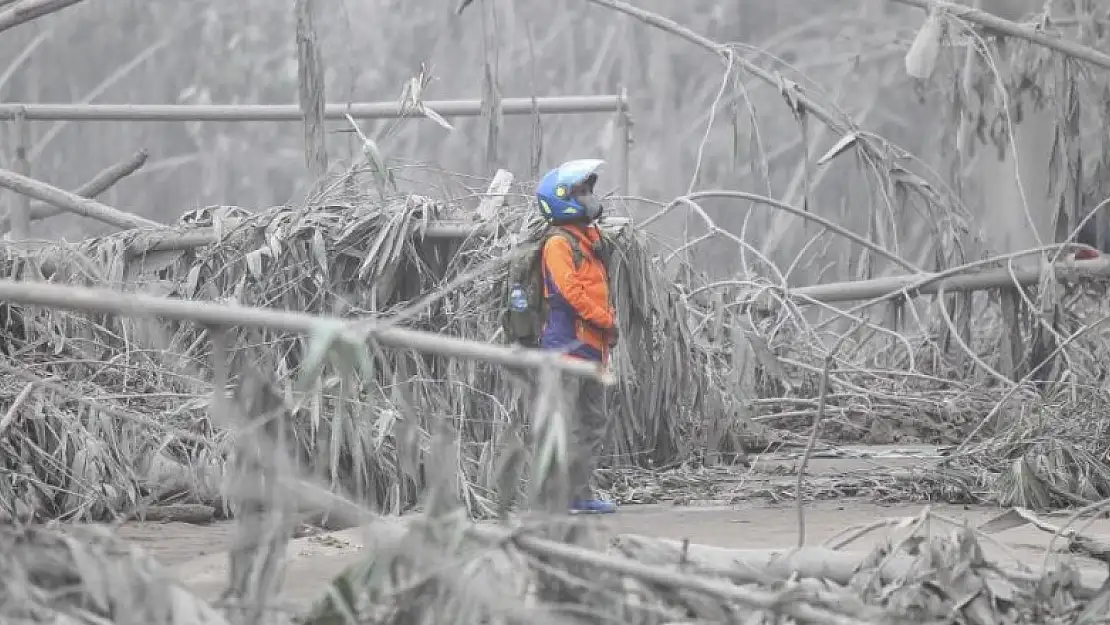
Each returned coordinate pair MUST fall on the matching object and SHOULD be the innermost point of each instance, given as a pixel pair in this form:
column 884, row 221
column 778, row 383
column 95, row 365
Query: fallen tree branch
column 179, row 239
column 1013, row 29
column 91, row 189
column 776, row 602
column 978, row 281
column 750, row 566
column 24, row 12
column 108, row 301
column 73, row 203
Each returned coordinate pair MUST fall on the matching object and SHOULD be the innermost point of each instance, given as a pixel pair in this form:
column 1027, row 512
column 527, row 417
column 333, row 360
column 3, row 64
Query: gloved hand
column 613, row 335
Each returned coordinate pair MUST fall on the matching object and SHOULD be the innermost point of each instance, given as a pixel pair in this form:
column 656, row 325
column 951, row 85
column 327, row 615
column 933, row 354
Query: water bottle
column 518, row 302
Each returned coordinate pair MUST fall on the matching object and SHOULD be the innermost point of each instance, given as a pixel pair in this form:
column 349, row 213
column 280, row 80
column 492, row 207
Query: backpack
column 525, row 305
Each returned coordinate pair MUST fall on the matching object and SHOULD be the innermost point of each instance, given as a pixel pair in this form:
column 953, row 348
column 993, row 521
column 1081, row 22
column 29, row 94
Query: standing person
column 560, row 301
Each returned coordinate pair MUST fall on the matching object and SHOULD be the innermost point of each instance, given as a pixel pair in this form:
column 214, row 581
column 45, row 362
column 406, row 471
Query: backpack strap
column 575, row 244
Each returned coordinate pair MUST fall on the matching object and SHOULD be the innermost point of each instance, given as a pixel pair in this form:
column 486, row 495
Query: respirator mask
column 594, row 207
column 584, row 193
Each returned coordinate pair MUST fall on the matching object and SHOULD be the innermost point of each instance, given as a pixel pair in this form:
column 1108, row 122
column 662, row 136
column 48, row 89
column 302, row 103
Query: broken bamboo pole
column 555, row 105
column 73, row 203
column 930, row 284
column 99, row 183
column 749, row 566
column 176, row 240
column 671, row 577
column 112, row 302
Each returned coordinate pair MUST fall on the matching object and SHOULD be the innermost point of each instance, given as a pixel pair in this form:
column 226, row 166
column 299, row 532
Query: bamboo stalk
column 173, row 240
column 982, row 280
column 24, row 12
column 91, row 189
column 19, row 213
column 310, row 89
column 73, row 203
column 108, row 301
column 560, row 105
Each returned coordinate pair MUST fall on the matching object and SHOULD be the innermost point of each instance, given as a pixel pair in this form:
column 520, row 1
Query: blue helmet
column 565, row 193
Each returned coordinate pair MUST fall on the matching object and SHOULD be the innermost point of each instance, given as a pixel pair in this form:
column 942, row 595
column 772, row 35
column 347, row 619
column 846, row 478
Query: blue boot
column 592, row 506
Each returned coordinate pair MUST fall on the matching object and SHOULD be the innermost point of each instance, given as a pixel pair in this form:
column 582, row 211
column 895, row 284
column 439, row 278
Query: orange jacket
column 579, row 308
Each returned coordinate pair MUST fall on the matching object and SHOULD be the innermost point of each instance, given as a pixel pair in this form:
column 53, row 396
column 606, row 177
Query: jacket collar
column 588, row 233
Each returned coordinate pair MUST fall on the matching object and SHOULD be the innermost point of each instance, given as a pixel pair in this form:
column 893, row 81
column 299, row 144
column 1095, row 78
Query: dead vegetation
column 340, row 359
column 319, row 260
column 442, row 567
column 735, row 391
column 108, row 414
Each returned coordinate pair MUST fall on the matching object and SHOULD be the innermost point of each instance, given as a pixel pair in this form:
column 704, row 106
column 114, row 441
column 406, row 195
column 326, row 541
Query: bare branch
column 1013, row 29
column 73, row 203
column 798, row 99
column 689, row 201
column 24, row 12
column 91, row 189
